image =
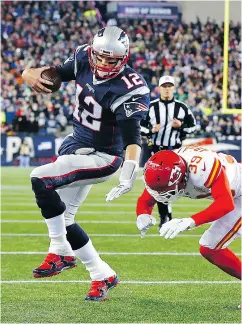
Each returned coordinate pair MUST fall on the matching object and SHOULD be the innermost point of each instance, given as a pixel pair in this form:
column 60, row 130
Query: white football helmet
column 109, row 42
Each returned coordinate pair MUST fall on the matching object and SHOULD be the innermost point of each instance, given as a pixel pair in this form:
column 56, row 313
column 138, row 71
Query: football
column 53, row 76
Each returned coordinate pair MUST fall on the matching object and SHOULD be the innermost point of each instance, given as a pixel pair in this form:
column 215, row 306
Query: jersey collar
column 167, row 101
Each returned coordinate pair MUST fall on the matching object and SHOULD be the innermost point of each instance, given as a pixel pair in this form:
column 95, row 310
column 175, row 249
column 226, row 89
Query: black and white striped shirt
column 163, row 112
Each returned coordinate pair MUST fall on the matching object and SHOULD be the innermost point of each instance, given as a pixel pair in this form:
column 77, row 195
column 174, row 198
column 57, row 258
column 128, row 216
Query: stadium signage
column 148, row 10
column 42, row 148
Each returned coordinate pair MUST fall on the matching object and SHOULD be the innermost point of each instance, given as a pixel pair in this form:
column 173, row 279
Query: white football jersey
column 204, row 166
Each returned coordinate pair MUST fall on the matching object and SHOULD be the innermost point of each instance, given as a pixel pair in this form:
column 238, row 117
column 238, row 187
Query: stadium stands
column 45, row 33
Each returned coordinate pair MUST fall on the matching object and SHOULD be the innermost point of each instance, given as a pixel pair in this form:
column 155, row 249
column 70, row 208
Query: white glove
column 144, row 222
column 172, row 228
column 126, row 180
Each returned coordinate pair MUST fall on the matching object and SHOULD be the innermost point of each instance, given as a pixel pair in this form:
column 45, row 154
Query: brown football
column 53, row 76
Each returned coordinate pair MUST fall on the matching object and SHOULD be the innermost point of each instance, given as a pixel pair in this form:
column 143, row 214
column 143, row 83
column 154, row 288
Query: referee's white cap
column 166, row 79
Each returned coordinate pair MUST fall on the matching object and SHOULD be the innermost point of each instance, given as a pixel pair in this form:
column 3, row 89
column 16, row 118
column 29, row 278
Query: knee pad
column 47, row 199
column 76, row 236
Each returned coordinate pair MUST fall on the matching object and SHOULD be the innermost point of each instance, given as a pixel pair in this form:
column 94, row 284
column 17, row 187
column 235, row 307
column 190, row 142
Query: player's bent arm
column 223, row 201
column 130, row 130
column 144, row 209
column 33, row 78
column 145, row 204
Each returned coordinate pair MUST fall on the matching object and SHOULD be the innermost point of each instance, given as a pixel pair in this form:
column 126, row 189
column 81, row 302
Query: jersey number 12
column 88, row 118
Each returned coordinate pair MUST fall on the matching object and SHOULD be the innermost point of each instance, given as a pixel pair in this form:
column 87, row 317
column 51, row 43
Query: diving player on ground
column 197, row 173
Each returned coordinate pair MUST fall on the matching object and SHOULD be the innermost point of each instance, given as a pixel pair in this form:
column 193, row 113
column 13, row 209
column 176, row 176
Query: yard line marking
column 97, row 235
column 92, row 204
column 125, row 282
column 87, row 212
column 84, row 221
column 15, row 187
column 115, row 253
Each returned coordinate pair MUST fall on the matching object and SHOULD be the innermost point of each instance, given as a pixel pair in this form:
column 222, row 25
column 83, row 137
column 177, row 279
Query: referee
column 166, row 125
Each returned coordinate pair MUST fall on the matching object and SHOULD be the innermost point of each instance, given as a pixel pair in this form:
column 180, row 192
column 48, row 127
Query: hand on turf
column 144, row 222
column 175, row 226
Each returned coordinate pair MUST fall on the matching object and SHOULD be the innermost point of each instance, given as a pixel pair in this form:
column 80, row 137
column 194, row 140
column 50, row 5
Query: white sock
column 57, row 233
column 97, row 268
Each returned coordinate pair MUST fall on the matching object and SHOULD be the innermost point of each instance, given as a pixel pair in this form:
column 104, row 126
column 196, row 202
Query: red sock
column 224, row 259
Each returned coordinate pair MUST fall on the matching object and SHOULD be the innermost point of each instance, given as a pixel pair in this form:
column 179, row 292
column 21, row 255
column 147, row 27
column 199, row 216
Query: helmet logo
column 100, row 32
column 122, row 35
column 175, row 175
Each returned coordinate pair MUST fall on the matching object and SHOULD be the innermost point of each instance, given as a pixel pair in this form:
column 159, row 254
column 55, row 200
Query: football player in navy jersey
column 111, row 99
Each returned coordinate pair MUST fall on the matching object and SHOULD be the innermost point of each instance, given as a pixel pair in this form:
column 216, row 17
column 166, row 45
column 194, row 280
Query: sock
column 225, row 259
column 57, row 233
column 76, row 236
column 97, row 268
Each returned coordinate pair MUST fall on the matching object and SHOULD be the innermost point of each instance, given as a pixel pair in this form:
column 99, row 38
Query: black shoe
column 163, row 220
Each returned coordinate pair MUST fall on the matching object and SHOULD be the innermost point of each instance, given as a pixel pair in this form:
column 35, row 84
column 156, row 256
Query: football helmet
column 165, row 176
column 111, row 43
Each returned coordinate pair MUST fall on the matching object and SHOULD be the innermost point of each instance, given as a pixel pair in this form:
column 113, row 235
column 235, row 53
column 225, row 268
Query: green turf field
column 161, row 281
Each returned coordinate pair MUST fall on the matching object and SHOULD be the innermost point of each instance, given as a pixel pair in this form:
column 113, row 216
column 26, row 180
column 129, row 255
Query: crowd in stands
column 45, row 33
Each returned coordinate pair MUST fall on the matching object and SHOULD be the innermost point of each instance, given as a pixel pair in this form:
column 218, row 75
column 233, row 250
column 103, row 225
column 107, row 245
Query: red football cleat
column 53, row 264
column 99, row 289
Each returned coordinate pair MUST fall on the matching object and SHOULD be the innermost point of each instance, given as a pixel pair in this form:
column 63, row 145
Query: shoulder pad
column 126, row 85
column 80, row 56
column 204, row 168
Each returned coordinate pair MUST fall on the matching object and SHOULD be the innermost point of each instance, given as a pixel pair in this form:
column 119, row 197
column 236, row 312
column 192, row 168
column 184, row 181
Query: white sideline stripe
column 185, row 201
column 97, row 235
column 93, row 204
column 79, row 222
column 125, row 282
column 89, row 212
column 26, row 221
column 115, row 253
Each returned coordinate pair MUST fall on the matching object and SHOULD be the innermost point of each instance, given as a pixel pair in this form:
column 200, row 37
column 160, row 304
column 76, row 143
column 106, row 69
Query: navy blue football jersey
column 101, row 103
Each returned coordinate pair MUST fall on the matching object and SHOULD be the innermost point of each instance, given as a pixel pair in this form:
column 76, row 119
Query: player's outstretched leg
column 102, row 275
column 60, row 256
column 225, row 259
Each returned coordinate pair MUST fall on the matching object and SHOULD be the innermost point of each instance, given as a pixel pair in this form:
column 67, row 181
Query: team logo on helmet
column 175, row 175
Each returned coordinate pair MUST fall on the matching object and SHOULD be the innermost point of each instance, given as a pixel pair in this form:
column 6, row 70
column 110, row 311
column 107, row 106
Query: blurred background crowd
column 45, row 33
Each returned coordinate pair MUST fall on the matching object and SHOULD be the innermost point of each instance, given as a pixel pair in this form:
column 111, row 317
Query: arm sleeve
column 145, row 204
column 66, row 70
column 189, row 125
column 223, row 201
column 130, row 131
column 69, row 68
column 128, row 117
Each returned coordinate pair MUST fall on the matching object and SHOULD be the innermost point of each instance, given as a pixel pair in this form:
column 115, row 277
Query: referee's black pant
column 165, row 211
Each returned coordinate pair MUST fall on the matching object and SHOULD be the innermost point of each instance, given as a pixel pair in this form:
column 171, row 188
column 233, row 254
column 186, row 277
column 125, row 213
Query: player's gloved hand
column 172, row 228
column 126, row 180
column 144, row 222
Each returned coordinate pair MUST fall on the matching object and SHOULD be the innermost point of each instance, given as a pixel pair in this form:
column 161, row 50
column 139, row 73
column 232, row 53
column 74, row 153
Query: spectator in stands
column 42, row 123
column 24, row 156
column 52, row 125
column 191, row 52
column 33, row 124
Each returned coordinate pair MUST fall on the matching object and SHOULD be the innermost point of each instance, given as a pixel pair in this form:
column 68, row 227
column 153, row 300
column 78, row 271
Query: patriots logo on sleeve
column 133, row 107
